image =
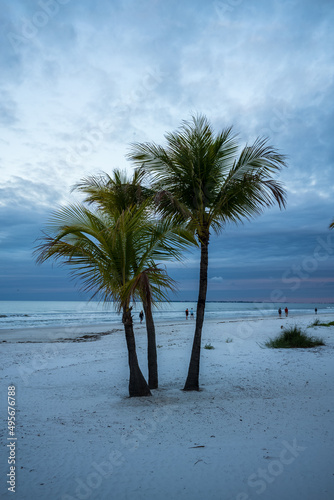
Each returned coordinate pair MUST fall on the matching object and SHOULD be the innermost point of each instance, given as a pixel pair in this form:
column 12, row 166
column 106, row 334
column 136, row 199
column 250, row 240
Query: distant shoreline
column 192, row 301
column 84, row 333
column 33, row 315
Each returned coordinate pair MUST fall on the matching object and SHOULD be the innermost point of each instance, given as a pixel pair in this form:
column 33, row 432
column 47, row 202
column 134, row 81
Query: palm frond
column 151, row 284
column 115, row 193
column 107, row 251
column 200, row 178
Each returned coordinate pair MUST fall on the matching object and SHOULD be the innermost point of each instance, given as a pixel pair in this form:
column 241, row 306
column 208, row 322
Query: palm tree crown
column 116, row 192
column 201, row 176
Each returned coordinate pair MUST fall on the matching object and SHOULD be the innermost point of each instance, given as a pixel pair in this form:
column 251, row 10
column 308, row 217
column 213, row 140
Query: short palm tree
column 114, row 256
column 117, row 193
column 201, row 178
column 99, row 250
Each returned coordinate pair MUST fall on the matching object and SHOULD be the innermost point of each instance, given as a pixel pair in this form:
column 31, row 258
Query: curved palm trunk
column 151, row 347
column 192, row 382
column 137, row 384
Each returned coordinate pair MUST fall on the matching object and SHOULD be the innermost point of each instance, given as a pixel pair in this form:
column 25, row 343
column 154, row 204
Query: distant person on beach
column 192, row 312
column 280, row 312
column 315, row 310
column 187, row 312
column 141, row 316
column 286, row 312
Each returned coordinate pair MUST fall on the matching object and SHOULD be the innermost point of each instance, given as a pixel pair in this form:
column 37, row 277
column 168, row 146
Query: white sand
column 262, row 427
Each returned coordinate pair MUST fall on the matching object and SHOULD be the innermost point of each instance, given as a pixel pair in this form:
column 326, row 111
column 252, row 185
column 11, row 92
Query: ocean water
column 32, row 314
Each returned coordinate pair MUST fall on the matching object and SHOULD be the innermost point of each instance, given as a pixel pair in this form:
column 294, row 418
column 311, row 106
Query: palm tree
column 331, row 226
column 201, row 178
column 114, row 256
column 99, row 249
column 117, row 193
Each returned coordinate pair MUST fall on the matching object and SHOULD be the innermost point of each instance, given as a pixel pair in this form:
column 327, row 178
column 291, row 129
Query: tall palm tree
column 117, row 193
column 201, row 178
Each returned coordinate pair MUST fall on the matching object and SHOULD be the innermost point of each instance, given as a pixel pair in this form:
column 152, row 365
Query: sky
column 81, row 80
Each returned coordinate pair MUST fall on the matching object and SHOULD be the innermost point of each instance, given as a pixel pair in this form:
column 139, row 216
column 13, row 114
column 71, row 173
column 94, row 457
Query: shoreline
column 89, row 333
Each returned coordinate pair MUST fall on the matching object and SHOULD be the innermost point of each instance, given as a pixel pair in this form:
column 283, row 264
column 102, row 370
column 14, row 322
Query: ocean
column 32, row 314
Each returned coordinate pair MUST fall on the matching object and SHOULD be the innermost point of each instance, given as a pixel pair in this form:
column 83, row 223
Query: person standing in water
column 141, row 316
column 187, row 312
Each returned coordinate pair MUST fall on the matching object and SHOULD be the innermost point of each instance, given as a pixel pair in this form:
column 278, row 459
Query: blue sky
column 81, row 80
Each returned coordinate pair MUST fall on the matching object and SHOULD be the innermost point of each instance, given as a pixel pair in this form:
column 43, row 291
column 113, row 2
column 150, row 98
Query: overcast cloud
column 81, row 80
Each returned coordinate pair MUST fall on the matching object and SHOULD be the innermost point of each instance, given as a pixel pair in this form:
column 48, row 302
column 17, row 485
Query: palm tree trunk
column 151, row 347
column 137, row 384
column 192, row 382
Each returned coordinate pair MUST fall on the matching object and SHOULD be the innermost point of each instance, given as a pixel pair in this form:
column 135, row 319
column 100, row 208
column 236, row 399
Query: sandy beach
column 261, row 427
